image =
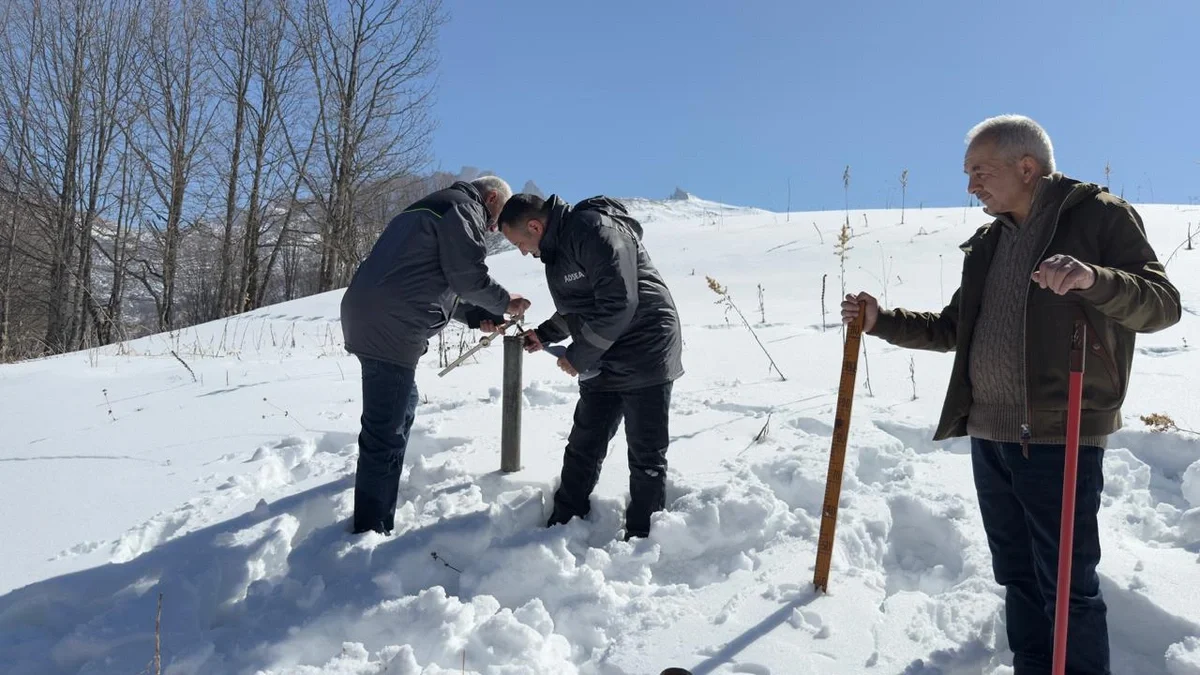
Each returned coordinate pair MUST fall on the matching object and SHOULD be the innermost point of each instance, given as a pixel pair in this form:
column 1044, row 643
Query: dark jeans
column 1021, row 502
column 389, row 407
column 597, row 416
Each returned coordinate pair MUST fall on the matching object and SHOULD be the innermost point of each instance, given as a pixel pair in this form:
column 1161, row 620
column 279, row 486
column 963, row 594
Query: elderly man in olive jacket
column 1058, row 251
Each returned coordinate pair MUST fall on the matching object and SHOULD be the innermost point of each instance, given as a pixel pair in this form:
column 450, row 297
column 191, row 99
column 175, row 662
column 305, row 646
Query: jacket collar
column 555, row 222
column 1046, row 196
column 470, row 190
column 1055, row 193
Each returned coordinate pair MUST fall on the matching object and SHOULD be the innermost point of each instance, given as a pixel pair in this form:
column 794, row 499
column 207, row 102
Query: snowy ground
column 123, row 477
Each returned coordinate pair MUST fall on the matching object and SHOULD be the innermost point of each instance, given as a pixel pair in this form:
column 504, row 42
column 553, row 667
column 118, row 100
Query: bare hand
column 532, row 343
column 517, row 305
column 1062, row 273
column 566, row 366
column 850, row 310
column 488, row 326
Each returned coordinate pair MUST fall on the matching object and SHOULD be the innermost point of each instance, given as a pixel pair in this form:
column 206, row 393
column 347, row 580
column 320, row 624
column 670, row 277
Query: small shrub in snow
column 727, row 300
column 1160, row 422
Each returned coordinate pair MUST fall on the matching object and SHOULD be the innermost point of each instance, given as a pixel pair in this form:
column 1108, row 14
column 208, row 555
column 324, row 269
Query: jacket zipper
column 1027, row 427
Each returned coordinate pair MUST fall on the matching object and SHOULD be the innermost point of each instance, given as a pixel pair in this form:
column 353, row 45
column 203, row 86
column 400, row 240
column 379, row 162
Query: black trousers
column 597, row 416
column 1020, row 500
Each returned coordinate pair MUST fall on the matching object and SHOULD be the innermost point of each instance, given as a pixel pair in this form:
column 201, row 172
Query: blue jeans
column 1020, row 500
column 389, row 408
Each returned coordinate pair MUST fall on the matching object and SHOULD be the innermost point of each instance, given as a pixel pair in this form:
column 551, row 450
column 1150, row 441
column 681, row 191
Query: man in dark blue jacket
column 426, row 268
column 626, row 344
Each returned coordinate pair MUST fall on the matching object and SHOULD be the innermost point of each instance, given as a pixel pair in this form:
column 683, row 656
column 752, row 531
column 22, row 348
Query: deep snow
column 123, row 477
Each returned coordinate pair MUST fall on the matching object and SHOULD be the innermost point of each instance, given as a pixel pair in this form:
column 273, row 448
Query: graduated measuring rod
column 837, row 455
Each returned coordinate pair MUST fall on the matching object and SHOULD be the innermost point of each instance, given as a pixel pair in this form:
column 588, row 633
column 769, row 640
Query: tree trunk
column 249, row 286
column 105, row 134
column 285, row 229
column 60, row 312
column 10, row 253
column 240, row 85
column 177, row 119
column 173, row 229
column 120, row 256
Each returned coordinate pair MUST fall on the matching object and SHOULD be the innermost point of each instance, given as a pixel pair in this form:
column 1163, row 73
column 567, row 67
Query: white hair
column 1016, row 136
column 486, row 184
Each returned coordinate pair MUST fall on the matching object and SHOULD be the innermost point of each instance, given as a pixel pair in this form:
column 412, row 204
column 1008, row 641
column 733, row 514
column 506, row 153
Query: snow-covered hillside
column 213, row 468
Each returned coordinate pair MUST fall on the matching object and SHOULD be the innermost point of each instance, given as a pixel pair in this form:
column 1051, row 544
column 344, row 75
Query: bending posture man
column 625, row 341
column 426, row 268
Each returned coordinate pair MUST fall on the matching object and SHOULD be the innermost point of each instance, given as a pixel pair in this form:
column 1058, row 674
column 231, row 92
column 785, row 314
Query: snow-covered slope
column 214, row 467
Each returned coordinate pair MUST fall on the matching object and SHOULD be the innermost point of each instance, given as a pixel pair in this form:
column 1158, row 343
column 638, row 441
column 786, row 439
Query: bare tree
column 66, row 73
column 58, row 120
column 16, row 132
column 112, row 56
column 108, row 172
column 176, row 120
column 121, row 248
column 236, row 21
column 10, row 259
column 370, row 63
column 292, row 256
column 275, row 71
column 287, row 239
column 56, row 114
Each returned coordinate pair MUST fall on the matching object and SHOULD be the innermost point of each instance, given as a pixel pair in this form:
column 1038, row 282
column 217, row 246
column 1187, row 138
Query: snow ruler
column 837, row 454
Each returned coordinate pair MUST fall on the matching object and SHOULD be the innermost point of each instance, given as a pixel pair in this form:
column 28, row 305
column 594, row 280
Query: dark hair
column 521, row 208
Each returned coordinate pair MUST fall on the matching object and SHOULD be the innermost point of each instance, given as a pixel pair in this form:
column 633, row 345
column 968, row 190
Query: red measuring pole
column 1066, row 536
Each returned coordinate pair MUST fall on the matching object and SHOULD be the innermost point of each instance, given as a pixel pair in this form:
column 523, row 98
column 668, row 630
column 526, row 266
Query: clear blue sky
column 727, row 99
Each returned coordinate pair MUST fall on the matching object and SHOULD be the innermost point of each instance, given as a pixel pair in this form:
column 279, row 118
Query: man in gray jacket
column 626, row 344
column 426, row 268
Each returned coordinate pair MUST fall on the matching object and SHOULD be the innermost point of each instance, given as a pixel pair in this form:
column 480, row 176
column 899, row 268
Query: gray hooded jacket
column 426, row 264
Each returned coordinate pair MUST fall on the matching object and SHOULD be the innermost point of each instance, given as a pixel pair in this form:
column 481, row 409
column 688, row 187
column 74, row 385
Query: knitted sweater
column 997, row 364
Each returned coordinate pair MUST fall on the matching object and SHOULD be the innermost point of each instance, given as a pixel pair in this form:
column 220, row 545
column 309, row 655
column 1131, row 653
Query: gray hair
column 1016, row 136
column 486, row 184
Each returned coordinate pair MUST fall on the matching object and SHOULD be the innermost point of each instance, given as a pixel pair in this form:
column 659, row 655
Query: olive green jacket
column 1131, row 295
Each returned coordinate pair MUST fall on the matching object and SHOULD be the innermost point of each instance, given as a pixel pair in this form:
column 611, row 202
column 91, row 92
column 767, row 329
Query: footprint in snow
column 810, row 425
column 924, row 550
column 540, row 396
column 442, row 406
column 920, row 438
column 748, row 410
column 1159, row 352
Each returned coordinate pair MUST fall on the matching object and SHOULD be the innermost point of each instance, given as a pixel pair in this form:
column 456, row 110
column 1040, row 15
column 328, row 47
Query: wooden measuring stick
column 837, row 455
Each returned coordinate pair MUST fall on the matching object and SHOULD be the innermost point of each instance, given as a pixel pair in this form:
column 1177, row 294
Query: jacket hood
column 471, row 190
column 561, row 212
column 614, row 209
